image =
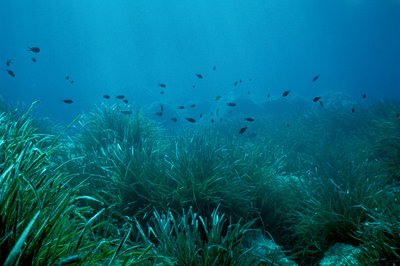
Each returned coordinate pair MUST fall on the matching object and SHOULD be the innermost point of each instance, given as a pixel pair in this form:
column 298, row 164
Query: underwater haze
column 129, row 47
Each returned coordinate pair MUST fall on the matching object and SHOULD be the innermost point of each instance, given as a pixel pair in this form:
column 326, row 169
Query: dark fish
column 34, row 59
column 162, row 108
column 193, row 106
column 34, row 49
column 316, row 99
column 242, row 130
column 268, row 95
column 235, row 83
column 201, row 115
column 72, row 82
column 220, row 119
column 214, row 68
column 315, row 78
column 9, row 62
column 68, row 101
column 11, row 73
column 248, row 92
column 162, row 85
column 217, row 97
column 240, row 81
column 159, row 113
column 125, row 101
column 250, row 119
column 231, row 104
column 364, row 96
column 285, row 93
column 181, row 107
column 126, row 112
column 106, row 96
column 174, row 119
column 120, row 97
column 66, row 77
column 191, row 120
column 398, row 115
column 161, row 92
column 353, row 110
column 288, row 125
column 200, row 76
column 212, row 120
column 193, row 86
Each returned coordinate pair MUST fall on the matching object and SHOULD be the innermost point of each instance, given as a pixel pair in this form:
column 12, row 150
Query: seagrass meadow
column 116, row 189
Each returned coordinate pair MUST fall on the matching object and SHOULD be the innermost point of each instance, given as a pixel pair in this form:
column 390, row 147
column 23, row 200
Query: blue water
column 129, row 46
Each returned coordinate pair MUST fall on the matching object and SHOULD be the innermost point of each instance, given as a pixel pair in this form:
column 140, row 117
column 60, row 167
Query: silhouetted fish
column 125, row 101
column 68, row 101
column 120, row 97
column 316, row 99
column 235, row 83
column 353, row 110
column 193, row 106
column 193, row 86
column 364, row 96
column 285, row 93
column 174, row 119
column 162, row 85
column 106, row 96
column 161, row 92
column 214, row 68
column 248, row 92
column 162, row 108
column 242, row 130
column 250, row 119
column 398, row 115
column 231, row 104
column 212, row 120
column 159, row 113
column 191, row 120
column 181, row 107
column 34, row 49
column 66, row 77
column 9, row 62
column 240, row 81
column 11, row 73
column 268, row 95
column 34, row 59
column 72, row 82
column 315, row 78
column 126, row 112
column 217, row 97
column 200, row 76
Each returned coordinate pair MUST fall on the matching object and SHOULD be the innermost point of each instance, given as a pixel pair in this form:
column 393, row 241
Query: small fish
column 364, row 96
column 162, row 85
column 34, row 49
column 242, row 130
column 193, row 86
column 316, row 99
column 181, row 107
column 106, row 96
column 214, row 68
column 161, row 92
column 268, row 95
column 217, row 97
column 11, row 73
column 159, row 113
column 120, row 97
column 9, row 62
column 353, row 110
column 285, row 93
column 193, row 106
column 66, row 77
column 315, row 78
column 248, row 92
column 235, row 83
column 212, row 120
column 191, row 120
column 72, row 82
column 200, row 76
column 68, row 101
column 125, row 101
column 231, row 104
column 240, row 81
column 34, row 59
column 126, row 112
column 287, row 125
column 174, row 119
column 249, row 119
column 398, row 115
column 201, row 115
column 220, row 120
column 162, row 108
